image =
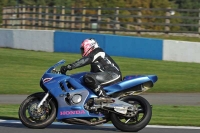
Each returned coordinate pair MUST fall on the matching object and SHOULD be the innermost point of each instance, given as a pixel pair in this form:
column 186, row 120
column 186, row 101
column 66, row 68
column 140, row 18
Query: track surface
column 17, row 127
column 154, row 98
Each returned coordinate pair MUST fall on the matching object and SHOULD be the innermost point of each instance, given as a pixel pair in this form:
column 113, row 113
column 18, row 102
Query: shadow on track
column 63, row 126
column 8, row 118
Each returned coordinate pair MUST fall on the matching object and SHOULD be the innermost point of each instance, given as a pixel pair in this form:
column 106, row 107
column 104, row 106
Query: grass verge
column 162, row 115
column 21, row 71
column 9, row 111
column 175, row 115
column 168, row 37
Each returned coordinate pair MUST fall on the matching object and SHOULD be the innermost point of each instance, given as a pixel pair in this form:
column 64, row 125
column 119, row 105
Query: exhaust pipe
column 83, row 122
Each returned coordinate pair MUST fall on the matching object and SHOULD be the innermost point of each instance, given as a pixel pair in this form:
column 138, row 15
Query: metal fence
column 132, row 20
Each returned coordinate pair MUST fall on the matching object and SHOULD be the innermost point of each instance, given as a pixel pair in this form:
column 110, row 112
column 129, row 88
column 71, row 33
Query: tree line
column 175, row 4
column 190, row 4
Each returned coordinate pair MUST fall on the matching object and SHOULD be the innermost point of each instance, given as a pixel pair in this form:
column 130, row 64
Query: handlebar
column 56, row 71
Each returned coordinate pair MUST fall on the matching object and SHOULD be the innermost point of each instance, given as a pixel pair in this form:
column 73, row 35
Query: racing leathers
column 104, row 71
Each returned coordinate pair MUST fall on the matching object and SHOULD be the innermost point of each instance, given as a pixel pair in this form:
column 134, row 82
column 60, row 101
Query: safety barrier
column 125, row 46
column 38, row 40
column 114, row 45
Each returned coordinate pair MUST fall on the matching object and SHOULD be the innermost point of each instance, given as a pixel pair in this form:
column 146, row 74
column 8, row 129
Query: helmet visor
column 82, row 51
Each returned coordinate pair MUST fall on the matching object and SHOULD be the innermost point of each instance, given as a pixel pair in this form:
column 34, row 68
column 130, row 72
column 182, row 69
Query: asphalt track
column 193, row 99
column 17, row 127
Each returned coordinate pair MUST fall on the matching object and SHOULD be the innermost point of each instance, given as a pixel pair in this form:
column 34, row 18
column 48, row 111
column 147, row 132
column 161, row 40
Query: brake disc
column 34, row 112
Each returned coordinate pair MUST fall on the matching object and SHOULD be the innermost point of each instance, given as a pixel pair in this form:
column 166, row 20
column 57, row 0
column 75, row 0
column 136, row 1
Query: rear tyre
column 139, row 119
column 32, row 117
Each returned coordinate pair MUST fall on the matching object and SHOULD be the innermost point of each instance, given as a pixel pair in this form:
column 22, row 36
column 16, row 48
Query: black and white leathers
column 104, row 70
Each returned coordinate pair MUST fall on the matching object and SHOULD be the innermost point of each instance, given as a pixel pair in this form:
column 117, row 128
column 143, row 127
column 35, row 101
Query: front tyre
column 39, row 118
column 136, row 120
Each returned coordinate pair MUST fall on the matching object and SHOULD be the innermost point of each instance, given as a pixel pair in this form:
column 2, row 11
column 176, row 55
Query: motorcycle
column 66, row 99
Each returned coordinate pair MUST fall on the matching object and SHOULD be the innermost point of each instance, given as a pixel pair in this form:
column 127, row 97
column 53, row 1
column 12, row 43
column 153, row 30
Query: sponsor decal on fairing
column 72, row 112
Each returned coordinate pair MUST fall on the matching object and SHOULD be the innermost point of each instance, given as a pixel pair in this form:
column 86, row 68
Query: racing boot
column 102, row 96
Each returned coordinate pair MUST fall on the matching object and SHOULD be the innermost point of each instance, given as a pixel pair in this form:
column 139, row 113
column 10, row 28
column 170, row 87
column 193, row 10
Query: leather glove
column 64, row 69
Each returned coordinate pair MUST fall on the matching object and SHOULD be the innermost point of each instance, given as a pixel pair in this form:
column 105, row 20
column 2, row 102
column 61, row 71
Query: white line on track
column 148, row 126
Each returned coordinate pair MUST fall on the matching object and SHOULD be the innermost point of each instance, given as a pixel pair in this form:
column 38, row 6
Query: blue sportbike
column 66, row 99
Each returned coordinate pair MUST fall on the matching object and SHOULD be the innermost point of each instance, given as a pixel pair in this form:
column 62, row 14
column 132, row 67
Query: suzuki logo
column 77, row 112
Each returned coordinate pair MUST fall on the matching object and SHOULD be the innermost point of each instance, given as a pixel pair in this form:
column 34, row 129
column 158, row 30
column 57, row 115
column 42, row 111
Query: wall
column 70, row 41
column 181, row 51
column 112, row 44
column 38, row 40
column 136, row 47
column 6, row 38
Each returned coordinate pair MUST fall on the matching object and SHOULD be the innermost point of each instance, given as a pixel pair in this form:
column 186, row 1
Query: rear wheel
column 135, row 120
column 32, row 117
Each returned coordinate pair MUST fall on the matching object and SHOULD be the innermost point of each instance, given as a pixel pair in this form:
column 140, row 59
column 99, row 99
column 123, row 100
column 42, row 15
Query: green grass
column 178, row 37
column 168, row 37
column 9, row 111
column 176, row 115
column 162, row 115
column 21, row 71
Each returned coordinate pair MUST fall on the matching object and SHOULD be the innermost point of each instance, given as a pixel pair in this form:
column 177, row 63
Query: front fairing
column 51, row 76
column 55, row 66
column 58, row 86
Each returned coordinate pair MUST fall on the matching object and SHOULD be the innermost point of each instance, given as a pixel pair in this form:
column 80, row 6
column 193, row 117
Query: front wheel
column 33, row 117
column 136, row 120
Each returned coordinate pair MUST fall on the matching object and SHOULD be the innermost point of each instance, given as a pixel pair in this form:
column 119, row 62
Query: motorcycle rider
column 104, row 70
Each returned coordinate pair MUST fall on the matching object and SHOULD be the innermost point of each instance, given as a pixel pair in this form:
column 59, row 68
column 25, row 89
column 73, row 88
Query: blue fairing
column 59, row 86
column 153, row 78
column 52, row 82
column 130, row 81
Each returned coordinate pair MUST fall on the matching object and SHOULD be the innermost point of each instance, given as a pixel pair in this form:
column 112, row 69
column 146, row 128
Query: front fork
column 42, row 101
